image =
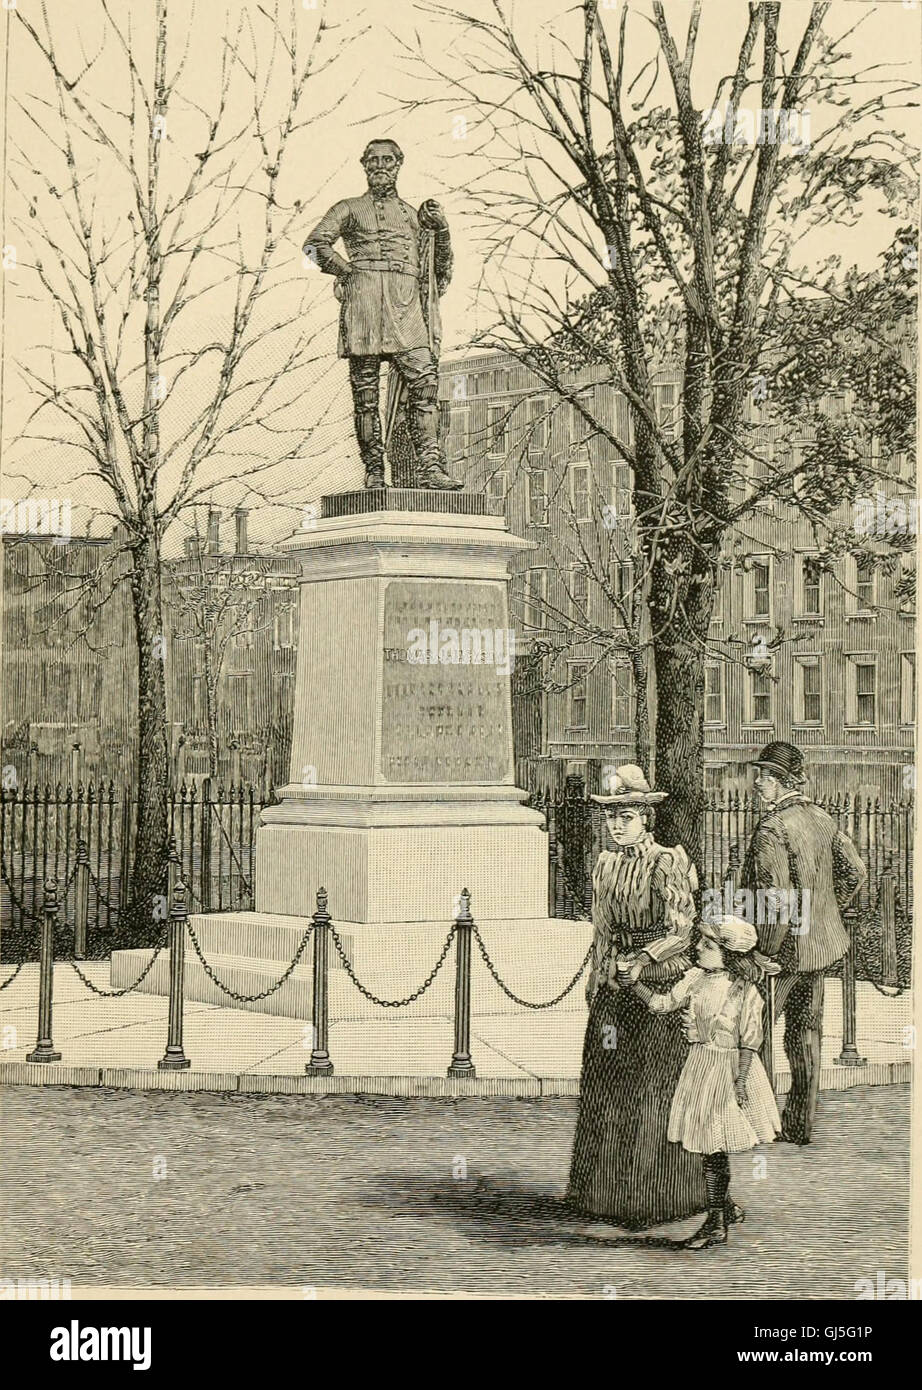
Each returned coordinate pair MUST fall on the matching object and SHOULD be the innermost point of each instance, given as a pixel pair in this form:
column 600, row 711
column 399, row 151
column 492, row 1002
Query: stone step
column 275, row 937
column 391, row 962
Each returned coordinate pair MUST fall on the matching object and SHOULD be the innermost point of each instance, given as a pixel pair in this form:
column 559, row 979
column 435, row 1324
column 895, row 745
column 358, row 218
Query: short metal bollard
column 320, row 1064
column 81, row 899
column 849, row 1056
column 461, row 1064
column 44, row 1047
column 175, row 1059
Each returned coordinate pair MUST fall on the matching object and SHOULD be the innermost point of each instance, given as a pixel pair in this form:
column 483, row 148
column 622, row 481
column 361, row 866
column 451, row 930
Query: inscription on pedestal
column 447, row 714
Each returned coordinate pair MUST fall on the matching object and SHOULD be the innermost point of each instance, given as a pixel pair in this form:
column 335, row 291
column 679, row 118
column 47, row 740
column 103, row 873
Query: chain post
column 81, row 899
column 173, row 867
column 461, row 1064
column 175, row 1059
column 850, row 1056
column 44, row 1047
column 320, row 1064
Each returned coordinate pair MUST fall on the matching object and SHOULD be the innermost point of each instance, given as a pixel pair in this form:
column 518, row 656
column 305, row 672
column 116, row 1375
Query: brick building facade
column 824, row 660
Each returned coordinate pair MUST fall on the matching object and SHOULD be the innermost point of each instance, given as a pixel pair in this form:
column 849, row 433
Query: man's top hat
column 784, row 759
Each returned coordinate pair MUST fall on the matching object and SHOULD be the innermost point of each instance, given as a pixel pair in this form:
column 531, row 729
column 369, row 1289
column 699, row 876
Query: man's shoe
column 435, row 479
column 713, row 1232
column 374, row 477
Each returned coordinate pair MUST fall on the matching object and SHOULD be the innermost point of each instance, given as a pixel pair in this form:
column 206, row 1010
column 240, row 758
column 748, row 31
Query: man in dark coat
column 802, row 871
column 388, row 290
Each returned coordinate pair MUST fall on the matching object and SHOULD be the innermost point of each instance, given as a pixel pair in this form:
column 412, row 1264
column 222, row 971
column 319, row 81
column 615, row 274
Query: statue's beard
column 382, row 183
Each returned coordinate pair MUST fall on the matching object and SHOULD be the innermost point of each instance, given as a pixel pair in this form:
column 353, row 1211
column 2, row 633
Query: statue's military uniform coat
column 385, row 299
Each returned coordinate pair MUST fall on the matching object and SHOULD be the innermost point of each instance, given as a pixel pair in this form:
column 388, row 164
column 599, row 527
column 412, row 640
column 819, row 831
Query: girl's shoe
column 732, row 1213
column 713, row 1232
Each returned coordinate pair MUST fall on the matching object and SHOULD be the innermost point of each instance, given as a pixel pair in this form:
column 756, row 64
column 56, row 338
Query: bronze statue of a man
column 399, row 263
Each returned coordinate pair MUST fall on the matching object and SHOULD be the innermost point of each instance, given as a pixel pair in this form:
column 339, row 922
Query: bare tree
column 158, row 224
column 217, row 599
column 628, row 240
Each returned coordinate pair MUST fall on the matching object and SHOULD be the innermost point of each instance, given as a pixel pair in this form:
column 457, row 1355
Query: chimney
column 240, row 518
column 213, row 546
column 191, row 543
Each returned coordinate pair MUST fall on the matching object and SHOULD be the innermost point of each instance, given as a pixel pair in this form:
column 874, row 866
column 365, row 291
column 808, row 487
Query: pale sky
column 442, row 143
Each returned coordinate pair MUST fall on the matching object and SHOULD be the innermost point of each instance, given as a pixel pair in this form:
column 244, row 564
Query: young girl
column 723, row 1102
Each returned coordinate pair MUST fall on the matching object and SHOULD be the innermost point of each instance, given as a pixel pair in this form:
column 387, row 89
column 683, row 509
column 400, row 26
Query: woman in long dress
column 623, row 1169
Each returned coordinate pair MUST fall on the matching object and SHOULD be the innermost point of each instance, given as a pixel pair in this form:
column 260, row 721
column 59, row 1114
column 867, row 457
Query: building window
column 907, row 687
column 761, row 588
column 579, row 593
column 579, row 704
column 582, row 426
column 240, row 657
column 717, row 607
column 497, row 484
column 905, row 587
column 760, row 697
column 199, row 701
column 622, row 583
column 761, row 470
column 621, row 689
column 284, row 627
column 458, row 440
column 665, row 409
column 239, row 689
column 862, row 703
column 809, row 707
column 811, row 587
column 537, row 497
column 714, row 693
column 537, row 429
column 536, row 598
column 865, row 577
column 496, row 439
column 623, row 492
column 581, row 491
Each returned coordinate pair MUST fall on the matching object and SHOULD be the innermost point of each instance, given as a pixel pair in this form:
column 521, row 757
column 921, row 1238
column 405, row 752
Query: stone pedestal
column 402, row 788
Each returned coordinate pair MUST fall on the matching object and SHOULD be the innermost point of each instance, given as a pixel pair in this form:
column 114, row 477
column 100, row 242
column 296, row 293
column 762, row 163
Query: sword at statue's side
column 396, row 391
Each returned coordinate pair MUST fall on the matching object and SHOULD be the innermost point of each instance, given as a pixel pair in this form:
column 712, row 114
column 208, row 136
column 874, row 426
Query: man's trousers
column 799, row 996
column 419, row 373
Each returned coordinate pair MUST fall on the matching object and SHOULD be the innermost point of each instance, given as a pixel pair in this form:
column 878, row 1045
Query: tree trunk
column 680, row 742
column 680, row 608
column 148, row 879
column 211, row 712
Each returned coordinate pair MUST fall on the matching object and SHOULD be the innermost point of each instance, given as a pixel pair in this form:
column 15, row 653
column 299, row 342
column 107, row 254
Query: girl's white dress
column 721, row 1014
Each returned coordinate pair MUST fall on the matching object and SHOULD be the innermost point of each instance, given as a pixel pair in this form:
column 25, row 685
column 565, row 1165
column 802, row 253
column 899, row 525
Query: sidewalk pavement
column 528, row 1054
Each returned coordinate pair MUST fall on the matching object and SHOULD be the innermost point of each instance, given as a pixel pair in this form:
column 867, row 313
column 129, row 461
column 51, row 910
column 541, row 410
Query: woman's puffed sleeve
column 674, row 882
column 678, row 995
column 751, row 1016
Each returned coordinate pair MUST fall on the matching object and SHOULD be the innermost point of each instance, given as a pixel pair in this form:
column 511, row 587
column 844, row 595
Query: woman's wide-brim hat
column 783, row 758
column 627, row 786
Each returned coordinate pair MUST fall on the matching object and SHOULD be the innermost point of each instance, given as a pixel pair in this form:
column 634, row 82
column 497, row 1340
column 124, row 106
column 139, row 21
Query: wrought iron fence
column 42, row 827
column 882, row 834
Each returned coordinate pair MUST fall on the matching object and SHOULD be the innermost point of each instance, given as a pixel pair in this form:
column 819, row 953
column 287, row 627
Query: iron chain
column 527, row 1003
column 392, row 1003
column 232, row 993
column 118, row 993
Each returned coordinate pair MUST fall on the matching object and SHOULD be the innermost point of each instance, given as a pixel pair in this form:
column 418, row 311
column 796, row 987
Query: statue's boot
column 423, row 418
column 371, row 445
column 434, row 477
